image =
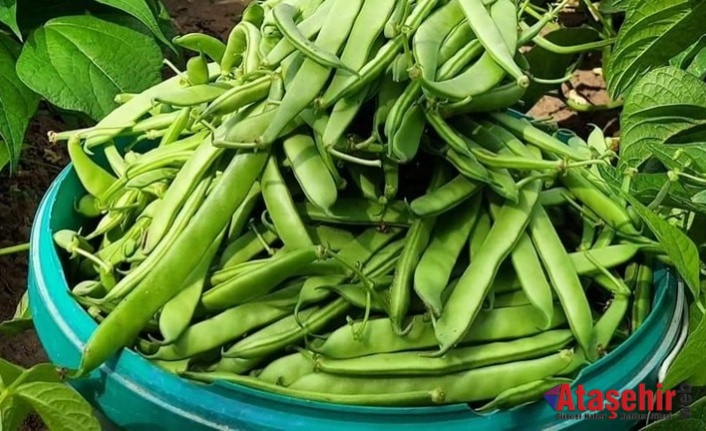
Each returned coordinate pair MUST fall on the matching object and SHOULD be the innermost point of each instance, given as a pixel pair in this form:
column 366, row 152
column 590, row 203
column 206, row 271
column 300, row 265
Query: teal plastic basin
column 136, row 395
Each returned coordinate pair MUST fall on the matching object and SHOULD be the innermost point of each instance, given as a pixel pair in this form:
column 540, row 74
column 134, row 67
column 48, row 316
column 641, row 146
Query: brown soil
column 21, row 192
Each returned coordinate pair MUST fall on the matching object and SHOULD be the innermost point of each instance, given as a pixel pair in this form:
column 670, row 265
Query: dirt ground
column 41, row 162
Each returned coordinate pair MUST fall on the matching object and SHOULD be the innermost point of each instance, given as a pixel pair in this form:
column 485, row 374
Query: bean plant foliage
column 77, row 55
column 39, row 389
column 658, row 68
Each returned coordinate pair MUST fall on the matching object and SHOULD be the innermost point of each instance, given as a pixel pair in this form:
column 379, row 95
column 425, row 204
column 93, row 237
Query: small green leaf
column 17, row 102
column 680, row 249
column 665, row 103
column 653, row 33
column 21, row 321
column 8, row 16
column 80, row 63
column 60, row 407
column 140, row 10
column 684, row 58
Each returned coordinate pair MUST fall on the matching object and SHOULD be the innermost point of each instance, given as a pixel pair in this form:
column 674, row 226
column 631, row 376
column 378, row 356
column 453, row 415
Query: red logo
column 596, row 404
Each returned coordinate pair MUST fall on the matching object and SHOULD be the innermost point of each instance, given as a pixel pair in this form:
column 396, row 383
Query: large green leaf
column 8, row 15
column 60, row 407
column 664, row 104
column 17, row 102
column 696, row 420
column 653, row 33
column 142, row 11
column 80, row 63
column 681, row 250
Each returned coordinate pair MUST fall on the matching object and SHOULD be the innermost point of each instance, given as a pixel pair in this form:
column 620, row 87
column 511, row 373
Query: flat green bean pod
column 415, row 363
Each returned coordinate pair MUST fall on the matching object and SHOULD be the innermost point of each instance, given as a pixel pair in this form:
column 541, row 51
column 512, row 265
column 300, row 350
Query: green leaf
column 17, row 102
column 80, row 63
column 21, row 321
column 9, row 372
column 695, row 422
column 4, row 155
column 681, row 250
column 13, row 410
column 684, row 58
column 140, row 10
column 653, row 33
column 8, row 16
column 698, row 65
column 664, row 103
column 690, row 360
column 548, row 65
column 60, row 407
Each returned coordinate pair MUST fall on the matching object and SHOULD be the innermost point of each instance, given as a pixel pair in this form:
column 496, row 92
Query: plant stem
column 14, row 249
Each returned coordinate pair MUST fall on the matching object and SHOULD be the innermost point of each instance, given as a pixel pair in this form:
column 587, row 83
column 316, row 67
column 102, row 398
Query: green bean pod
column 122, row 326
column 463, row 387
column 310, row 171
column 199, row 42
column 414, row 363
column 312, row 77
column 564, row 280
column 485, row 27
column 643, row 297
column 358, row 212
column 287, row 369
column 414, row 398
column 379, row 336
column 175, row 316
column 434, row 270
column 522, row 394
column 284, row 15
column 259, row 281
column 280, row 205
column 467, row 297
column 229, row 325
column 286, row 331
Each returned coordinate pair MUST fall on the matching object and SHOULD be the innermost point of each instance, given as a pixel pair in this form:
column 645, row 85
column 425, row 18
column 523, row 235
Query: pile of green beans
column 332, row 205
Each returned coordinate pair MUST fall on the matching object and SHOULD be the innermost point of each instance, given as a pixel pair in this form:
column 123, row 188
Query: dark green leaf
column 681, row 250
column 60, row 407
column 80, row 63
column 698, row 65
column 653, row 33
column 695, row 421
column 664, row 103
column 684, row 58
column 548, row 65
column 34, row 13
column 4, row 155
column 140, row 10
column 17, row 103
column 8, row 15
